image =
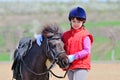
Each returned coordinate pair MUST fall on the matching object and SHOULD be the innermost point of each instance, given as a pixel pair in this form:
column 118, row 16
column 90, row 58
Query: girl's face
column 76, row 23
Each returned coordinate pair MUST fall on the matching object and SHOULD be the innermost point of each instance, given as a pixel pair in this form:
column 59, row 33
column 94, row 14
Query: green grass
column 2, row 41
column 65, row 26
column 102, row 24
column 4, row 57
column 100, row 52
column 95, row 24
column 116, row 52
column 98, row 49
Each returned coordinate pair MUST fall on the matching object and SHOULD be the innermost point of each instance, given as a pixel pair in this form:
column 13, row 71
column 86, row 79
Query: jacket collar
column 73, row 31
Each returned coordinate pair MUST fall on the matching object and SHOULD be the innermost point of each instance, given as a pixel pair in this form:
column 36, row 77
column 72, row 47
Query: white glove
column 71, row 58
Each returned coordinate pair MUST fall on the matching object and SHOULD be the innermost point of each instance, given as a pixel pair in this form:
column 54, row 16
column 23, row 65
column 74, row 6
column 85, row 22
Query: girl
column 77, row 43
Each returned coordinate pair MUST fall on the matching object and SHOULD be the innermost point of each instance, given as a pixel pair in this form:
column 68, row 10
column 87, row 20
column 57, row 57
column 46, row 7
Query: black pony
column 31, row 63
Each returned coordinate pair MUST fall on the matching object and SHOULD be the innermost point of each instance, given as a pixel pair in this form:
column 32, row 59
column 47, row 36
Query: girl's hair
column 81, row 19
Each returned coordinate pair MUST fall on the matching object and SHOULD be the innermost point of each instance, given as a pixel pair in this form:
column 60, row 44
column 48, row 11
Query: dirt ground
column 99, row 71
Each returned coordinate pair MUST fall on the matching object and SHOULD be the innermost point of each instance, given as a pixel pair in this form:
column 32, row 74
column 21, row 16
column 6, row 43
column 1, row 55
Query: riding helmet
column 77, row 12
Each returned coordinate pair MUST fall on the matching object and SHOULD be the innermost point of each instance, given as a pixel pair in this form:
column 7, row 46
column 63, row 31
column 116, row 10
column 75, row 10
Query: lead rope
column 60, row 76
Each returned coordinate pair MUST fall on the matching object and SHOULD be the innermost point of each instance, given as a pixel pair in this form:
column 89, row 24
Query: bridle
column 51, row 50
column 55, row 60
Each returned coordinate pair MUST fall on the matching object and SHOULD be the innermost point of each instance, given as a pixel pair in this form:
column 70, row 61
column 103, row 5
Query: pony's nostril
column 56, row 59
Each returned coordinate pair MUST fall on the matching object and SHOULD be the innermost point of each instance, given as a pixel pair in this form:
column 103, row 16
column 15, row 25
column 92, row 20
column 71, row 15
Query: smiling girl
column 77, row 43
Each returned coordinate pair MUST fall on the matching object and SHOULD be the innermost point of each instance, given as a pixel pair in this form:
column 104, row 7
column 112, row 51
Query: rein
column 38, row 74
column 49, row 69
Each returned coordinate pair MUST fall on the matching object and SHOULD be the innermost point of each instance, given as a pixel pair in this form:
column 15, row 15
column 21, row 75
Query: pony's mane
column 50, row 30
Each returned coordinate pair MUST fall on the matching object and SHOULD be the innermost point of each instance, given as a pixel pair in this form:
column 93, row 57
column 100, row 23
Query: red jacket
column 73, row 42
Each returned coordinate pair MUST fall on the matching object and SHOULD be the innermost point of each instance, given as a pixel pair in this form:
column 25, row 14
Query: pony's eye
column 51, row 44
column 49, row 37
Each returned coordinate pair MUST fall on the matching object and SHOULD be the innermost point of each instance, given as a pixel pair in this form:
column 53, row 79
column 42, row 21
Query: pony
column 32, row 62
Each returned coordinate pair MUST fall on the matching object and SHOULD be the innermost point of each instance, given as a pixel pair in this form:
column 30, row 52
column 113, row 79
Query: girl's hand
column 71, row 58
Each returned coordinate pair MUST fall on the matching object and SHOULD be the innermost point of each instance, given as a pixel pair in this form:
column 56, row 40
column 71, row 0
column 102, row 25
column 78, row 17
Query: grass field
column 102, row 47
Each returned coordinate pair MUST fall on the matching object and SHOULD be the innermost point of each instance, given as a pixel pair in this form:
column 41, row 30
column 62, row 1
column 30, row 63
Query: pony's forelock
column 50, row 30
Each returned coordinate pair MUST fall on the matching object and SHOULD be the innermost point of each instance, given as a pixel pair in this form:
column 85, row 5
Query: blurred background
column 23, row 18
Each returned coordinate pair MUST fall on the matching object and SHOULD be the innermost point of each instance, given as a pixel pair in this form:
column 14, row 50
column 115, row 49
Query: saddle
column 24, row 45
